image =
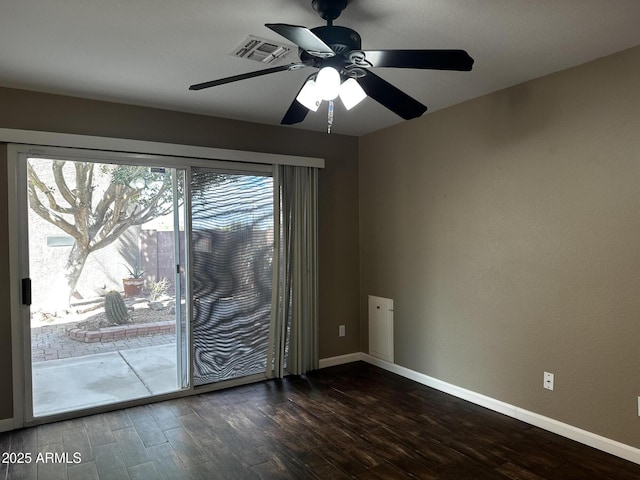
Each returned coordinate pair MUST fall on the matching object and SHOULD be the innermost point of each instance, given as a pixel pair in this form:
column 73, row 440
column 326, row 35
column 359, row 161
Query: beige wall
column 507, row 229
column 338, row 204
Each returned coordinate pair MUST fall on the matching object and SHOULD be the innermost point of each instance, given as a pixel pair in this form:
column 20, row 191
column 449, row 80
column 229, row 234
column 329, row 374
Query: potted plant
column 135, row 283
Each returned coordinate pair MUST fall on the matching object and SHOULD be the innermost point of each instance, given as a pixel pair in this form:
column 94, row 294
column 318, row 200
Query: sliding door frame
column 114, row 150
column 19, row 158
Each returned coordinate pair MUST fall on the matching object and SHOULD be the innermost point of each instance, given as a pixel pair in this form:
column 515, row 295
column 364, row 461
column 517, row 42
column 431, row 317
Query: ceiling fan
column 344, row 69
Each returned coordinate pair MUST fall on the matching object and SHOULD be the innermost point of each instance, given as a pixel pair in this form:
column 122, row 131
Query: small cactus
column 115, row 308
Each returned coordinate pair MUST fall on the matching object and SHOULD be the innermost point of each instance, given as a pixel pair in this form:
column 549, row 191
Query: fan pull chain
column 330, row 117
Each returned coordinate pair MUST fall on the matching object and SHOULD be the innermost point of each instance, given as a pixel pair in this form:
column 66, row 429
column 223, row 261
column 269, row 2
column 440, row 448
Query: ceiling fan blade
column 391, row 97
column 296, row 112
column 304, row 38
column 244, row 76
column 427, row 59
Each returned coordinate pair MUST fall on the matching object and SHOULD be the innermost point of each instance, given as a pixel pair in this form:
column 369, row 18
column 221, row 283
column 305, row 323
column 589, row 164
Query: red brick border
column 121, row 332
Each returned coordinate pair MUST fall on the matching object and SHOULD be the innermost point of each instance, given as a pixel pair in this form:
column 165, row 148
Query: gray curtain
column 293, row 342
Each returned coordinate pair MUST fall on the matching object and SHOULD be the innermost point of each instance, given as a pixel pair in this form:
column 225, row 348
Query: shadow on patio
column 68, row 374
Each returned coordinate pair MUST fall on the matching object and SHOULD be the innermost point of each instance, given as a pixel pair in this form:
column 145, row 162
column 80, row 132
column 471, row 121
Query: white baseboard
column 599, row 442
column 342, row 359
column 568, row 431
column 7, row 424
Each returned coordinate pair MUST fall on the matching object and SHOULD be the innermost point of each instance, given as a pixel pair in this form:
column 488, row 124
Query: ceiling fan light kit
column 325, row 86
column 309, row 96
column 328, row 83
column 337, row 53
column 351, row 93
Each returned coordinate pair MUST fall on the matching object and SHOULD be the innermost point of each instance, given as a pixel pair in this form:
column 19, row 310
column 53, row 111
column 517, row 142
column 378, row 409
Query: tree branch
column 36, row 183
column 113, row 217
column 113, row 236
column 116, row 225
column 103, row 205
column 82, row 210
column 151, row 210
column 61, row 182
column 37, row 206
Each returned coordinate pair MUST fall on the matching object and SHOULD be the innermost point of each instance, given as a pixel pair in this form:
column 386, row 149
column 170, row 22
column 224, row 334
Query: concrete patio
column 97, row 379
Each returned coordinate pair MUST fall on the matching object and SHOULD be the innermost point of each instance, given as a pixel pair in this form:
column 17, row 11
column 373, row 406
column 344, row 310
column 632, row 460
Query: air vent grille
column 261, row 50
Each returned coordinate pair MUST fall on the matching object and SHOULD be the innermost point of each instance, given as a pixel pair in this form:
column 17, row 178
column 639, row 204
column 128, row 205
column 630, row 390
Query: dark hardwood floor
column 352, row 421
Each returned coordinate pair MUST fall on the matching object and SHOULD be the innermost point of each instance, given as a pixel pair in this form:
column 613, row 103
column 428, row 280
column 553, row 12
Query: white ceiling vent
column 262, row 50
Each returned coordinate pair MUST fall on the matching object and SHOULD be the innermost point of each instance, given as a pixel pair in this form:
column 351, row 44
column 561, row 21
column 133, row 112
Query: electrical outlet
column 341, row 331
column 548, row 381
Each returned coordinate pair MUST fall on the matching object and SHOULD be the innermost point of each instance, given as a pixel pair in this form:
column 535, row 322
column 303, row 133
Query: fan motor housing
column 342, row 40
column 329, row 9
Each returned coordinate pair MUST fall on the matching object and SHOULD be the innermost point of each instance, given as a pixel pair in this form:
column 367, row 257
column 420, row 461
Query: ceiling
column 147, row 52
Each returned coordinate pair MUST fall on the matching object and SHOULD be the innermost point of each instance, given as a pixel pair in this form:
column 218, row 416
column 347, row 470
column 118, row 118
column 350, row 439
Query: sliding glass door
column 232, row 243
column 105, row 262
column 147, row 276
column 107, row 266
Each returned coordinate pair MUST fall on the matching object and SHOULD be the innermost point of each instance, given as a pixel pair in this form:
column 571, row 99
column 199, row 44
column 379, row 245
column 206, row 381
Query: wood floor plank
column 280, row 467
column 21, row 471
column 164, row 416
column 143, row 471
column 50, row 468
column 167, row 463
column 341, row 460
column 146, row 426
column 515, row 472
column 5, row 442
column 228, row 465
column 180, row 407
column 132, row 449
column 83, row 471
column 204, row 471
column 465, row 471
column 245, row 447
column 109, row 462
column 212, row 470
column 24, row 441
column 352, row 421
column 50, row 434
column 98, row 430
column 118, row 420
column 206, row 434
column 314, row 462
column 185, row 446
column 76, row 441
column 384, row 471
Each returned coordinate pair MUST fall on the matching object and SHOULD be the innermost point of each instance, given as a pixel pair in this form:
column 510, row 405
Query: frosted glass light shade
column 351, row 93
column 309, row 97
column 328, row 83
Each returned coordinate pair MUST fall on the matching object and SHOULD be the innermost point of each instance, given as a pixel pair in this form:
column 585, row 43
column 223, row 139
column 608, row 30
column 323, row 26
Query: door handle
column 26, row 291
